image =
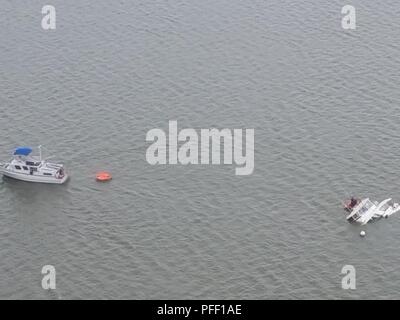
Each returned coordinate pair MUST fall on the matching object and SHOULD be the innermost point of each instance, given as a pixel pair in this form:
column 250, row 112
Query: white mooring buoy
column 362, row 233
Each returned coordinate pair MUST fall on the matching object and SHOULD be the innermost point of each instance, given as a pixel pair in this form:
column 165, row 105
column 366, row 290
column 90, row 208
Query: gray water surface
column 324, row 103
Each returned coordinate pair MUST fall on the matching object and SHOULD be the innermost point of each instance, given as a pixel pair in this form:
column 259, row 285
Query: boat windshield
column 31, row 163
column 385, row 207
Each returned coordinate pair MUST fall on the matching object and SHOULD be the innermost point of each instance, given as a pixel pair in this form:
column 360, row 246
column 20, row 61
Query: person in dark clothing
column 353, row 202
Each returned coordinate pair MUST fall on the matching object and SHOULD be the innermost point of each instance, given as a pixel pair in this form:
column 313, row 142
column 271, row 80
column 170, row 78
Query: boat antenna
column 40, row 152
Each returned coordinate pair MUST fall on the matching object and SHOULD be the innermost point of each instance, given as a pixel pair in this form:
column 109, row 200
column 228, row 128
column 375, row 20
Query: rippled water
column 324, row 103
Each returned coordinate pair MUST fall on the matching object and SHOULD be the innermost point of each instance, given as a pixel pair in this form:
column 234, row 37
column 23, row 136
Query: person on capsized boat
column 353, row 202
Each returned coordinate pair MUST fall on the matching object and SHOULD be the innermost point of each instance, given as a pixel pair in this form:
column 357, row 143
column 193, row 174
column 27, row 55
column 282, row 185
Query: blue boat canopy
column 22, row 151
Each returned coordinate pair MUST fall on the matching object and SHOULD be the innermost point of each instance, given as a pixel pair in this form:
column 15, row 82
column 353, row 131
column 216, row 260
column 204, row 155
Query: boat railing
column 53, row 165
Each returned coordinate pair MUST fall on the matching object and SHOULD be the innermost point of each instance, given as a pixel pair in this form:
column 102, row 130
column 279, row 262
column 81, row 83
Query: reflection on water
column 29, row 196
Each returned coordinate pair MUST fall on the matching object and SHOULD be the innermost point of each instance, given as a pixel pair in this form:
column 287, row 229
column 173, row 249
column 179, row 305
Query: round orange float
column 103, row 176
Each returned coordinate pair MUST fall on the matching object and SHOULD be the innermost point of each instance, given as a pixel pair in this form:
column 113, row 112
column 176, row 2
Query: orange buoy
column 103, row 176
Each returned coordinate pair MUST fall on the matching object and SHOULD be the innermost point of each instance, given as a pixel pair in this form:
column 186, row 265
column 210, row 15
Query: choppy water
column 324, row 103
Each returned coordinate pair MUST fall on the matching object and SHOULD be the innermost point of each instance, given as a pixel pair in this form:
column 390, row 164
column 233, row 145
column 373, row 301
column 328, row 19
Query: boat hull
column 34, row 178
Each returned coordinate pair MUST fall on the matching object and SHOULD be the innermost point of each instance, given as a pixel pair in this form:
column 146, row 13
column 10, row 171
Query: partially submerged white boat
column 386, row 208
column 364, row 211
column 25, row 167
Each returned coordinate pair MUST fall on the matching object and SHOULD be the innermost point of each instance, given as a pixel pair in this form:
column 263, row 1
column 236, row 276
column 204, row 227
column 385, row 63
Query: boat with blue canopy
column 26, row 167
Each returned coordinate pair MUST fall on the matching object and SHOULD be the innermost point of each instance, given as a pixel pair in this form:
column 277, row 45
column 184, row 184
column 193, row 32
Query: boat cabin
column 362, row 212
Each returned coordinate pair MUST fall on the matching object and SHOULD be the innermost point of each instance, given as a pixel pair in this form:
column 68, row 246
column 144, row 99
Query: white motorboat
column 25, row 167
column 364, row 211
